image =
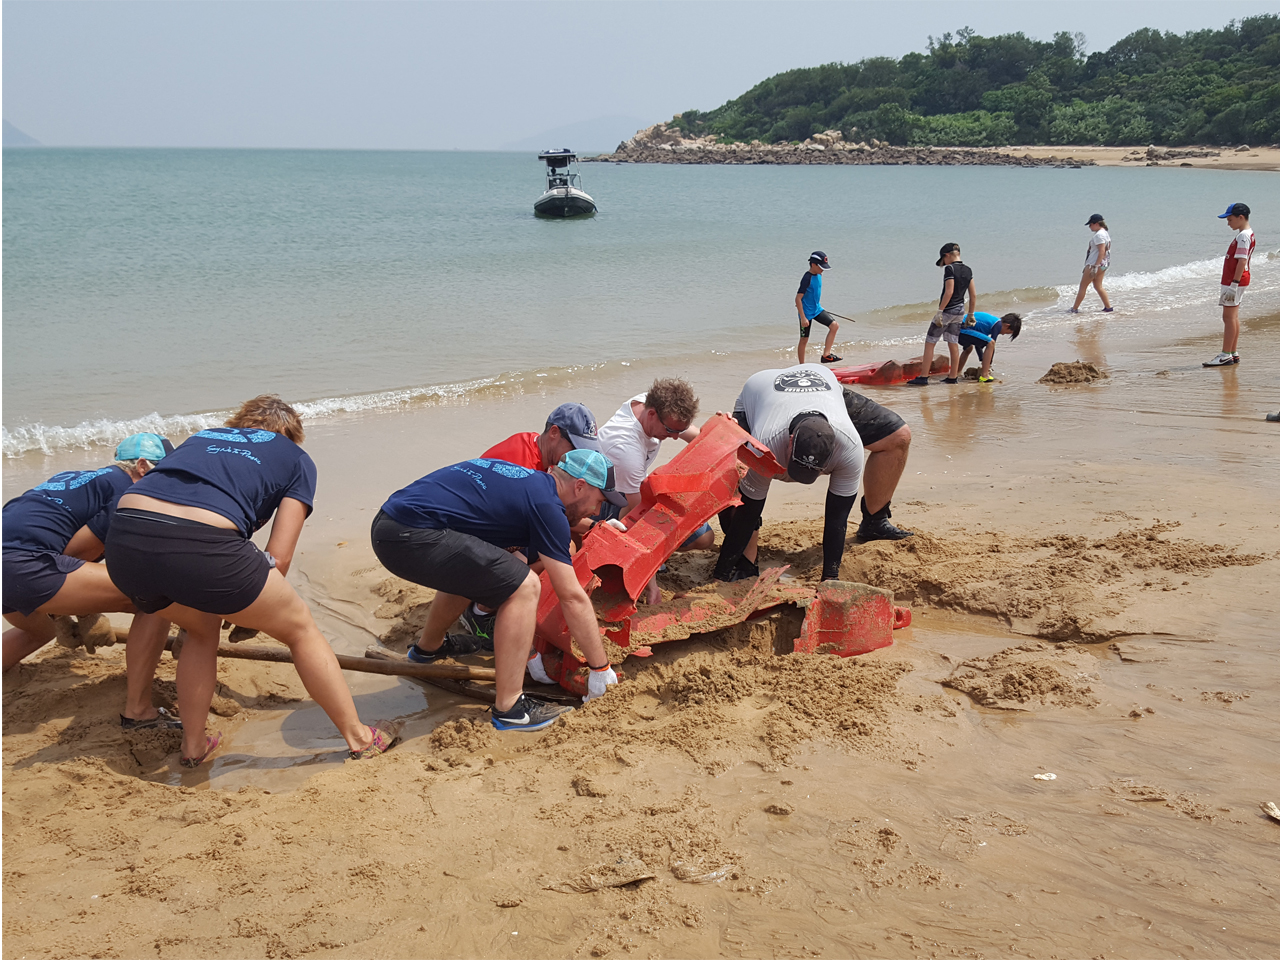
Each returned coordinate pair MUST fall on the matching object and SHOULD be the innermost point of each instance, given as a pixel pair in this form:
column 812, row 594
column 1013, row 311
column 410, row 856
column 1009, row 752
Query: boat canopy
column 558, row 159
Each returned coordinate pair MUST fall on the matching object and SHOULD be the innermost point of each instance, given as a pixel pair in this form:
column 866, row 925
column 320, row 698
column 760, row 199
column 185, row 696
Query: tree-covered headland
column 1206, row 86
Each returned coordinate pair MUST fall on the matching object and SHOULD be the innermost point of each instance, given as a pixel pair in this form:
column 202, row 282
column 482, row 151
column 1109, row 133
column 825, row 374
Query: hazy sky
column 476, row 75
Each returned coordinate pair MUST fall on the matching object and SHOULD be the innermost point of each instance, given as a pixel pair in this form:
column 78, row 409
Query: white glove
column 1235, row 294
column 616, row 524
column 939, row 319
column 537, row 670
column 598, row 682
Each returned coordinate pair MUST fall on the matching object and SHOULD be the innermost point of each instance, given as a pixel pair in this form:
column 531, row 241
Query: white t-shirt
column 632, row 451
column 1096, row 243
column 771, row 399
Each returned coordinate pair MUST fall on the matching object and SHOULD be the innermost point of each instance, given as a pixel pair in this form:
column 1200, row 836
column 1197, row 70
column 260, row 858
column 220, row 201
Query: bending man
column 452, row 531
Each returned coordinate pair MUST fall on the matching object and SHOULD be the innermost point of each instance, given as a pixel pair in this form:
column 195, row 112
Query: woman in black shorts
column 180, row 543
column 52, row 535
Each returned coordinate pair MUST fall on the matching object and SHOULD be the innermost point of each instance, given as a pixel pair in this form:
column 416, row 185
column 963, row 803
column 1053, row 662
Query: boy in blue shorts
column 981, row 338
column 809, row 308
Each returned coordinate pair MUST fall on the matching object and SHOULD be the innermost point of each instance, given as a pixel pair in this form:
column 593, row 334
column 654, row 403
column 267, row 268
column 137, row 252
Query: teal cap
column 595, row 468
column 142, row 446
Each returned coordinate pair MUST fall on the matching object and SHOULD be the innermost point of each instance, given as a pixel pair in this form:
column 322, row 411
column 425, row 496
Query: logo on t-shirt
column 799, row 382
column 257, row 436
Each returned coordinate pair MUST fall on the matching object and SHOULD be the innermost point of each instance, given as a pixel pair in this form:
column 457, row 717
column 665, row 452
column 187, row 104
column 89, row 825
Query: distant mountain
column 601, row 135
column 13, row 137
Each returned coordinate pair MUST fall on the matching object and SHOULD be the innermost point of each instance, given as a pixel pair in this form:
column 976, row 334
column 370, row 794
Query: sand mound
column 1016, row 678
column 1076, row 372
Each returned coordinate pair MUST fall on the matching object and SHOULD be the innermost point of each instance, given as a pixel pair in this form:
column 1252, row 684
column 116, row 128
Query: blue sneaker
column 528, row 714
column 455, row 645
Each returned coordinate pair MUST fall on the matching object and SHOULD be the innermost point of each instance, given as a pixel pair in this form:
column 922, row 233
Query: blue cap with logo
column 595, row 468
column 143, row 446
column 575, row 422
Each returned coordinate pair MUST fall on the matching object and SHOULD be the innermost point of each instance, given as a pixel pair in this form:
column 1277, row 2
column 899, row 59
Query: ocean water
column 153, row 289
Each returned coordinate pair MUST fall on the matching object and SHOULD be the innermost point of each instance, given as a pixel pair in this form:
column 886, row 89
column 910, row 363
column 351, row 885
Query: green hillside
column 1207, row 86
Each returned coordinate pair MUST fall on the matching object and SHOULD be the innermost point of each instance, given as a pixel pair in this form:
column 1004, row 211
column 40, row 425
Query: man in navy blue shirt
column 809, row 308
column 456, row 530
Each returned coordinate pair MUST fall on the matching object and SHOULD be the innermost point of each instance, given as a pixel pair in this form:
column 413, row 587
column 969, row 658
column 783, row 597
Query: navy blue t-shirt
column 492, row 500
column 239, row 473
column 48, row 516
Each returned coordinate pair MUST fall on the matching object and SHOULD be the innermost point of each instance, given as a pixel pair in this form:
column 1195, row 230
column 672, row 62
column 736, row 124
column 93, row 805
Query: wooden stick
column 398, row 668
column 464, row 688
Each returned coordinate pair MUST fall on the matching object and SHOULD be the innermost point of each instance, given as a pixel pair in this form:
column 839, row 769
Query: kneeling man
column 454, row 530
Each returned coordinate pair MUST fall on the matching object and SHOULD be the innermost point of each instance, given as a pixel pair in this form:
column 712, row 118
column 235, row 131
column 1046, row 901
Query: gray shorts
column 950, row 333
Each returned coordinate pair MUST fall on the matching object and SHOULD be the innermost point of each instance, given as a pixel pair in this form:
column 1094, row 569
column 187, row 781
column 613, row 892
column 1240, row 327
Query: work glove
column 1233, row 295
column 599, row 681
column 939, row 319
column 971, row 321
column 616, row 524
column 537, row 670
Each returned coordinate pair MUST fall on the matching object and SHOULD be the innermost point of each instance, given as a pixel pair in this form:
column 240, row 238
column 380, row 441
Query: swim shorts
column 33, row 577
column 1225, row 300
column 448, row 561
column 872, row 421
column 157, row 560
column 823, row 318
column 949, row 331
column 969, row 340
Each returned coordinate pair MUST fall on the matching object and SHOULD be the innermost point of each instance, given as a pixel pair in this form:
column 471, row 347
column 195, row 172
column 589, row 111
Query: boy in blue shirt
column 981, row 338
column 809, row 308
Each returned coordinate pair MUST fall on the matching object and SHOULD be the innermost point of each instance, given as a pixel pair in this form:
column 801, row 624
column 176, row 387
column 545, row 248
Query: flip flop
column 210, row 745
column 386, row 734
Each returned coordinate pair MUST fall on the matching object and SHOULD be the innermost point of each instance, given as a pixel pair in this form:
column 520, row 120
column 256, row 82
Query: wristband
column 599, row 669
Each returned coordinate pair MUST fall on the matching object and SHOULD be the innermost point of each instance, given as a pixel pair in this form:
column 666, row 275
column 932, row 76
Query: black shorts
column 156, row 560
column 872, row 421
column 33, row 577
column 823, row 318
column 448, row 561
column 969, row 340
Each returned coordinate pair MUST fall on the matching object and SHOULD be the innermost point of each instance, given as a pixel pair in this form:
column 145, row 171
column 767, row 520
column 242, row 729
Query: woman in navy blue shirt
column 180, row 544
column 52, row 535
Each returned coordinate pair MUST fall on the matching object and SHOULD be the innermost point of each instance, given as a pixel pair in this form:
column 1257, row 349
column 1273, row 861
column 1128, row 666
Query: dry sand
column 1228, row 158
column 1093, row 589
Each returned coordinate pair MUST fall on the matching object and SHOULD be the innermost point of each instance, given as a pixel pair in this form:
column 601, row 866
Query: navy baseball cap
column 576, row 422
column 1096, row 218
column 595, row 468
column 946, row 248
column 143, row 446
column 1236, row 209
column 820, row 259
column 812, row 443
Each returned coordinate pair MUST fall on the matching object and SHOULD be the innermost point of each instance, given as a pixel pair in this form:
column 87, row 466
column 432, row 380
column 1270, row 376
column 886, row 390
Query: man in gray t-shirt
column 799, row 414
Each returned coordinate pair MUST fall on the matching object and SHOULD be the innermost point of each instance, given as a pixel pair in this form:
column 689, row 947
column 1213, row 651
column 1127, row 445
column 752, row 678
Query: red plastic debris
column 847, row 619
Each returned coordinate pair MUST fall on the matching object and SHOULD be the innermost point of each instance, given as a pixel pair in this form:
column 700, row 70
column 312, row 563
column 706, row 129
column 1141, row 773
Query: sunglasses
column 673, row 431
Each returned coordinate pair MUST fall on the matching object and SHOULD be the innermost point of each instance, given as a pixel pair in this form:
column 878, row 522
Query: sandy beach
column 1227, row 158
column 1093, row 588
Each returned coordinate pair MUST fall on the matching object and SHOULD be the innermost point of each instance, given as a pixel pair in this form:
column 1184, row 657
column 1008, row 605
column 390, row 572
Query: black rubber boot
column 876, row 526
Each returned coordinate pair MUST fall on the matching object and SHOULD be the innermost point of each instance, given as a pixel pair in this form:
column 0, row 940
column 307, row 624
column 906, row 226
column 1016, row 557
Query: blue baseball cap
column 1236, row 209
column 143, row 446
column 576, row 422
column 595, row 468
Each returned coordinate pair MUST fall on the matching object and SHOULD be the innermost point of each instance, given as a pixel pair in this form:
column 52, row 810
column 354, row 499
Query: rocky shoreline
column 662, row 144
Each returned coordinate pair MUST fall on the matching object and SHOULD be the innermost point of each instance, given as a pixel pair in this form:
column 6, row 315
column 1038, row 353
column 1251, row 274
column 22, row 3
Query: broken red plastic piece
column 847, row 619
column 888, row 372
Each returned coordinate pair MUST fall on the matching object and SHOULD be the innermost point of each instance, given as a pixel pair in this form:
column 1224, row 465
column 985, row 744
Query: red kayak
column 888, row 372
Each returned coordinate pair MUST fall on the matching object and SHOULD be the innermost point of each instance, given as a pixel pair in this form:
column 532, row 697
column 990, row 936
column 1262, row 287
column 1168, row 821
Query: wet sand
column 1094, row 596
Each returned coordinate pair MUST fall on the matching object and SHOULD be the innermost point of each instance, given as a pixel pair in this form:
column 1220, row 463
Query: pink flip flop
column 210, row 745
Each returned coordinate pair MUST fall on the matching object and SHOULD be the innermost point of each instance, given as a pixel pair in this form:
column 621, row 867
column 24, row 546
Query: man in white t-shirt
column 802, row 414
column 631, row 440
column 1235, row 278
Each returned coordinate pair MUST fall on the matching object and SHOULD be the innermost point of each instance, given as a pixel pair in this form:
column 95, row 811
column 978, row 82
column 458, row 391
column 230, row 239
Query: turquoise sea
column 153, row 288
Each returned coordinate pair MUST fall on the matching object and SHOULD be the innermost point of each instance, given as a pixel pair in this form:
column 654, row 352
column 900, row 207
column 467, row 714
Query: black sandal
column 163, row 721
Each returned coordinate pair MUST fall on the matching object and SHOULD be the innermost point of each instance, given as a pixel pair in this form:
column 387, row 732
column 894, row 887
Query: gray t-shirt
column 771, row 399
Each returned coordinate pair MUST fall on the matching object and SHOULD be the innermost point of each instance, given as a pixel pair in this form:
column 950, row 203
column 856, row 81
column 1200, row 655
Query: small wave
column 28, row 438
